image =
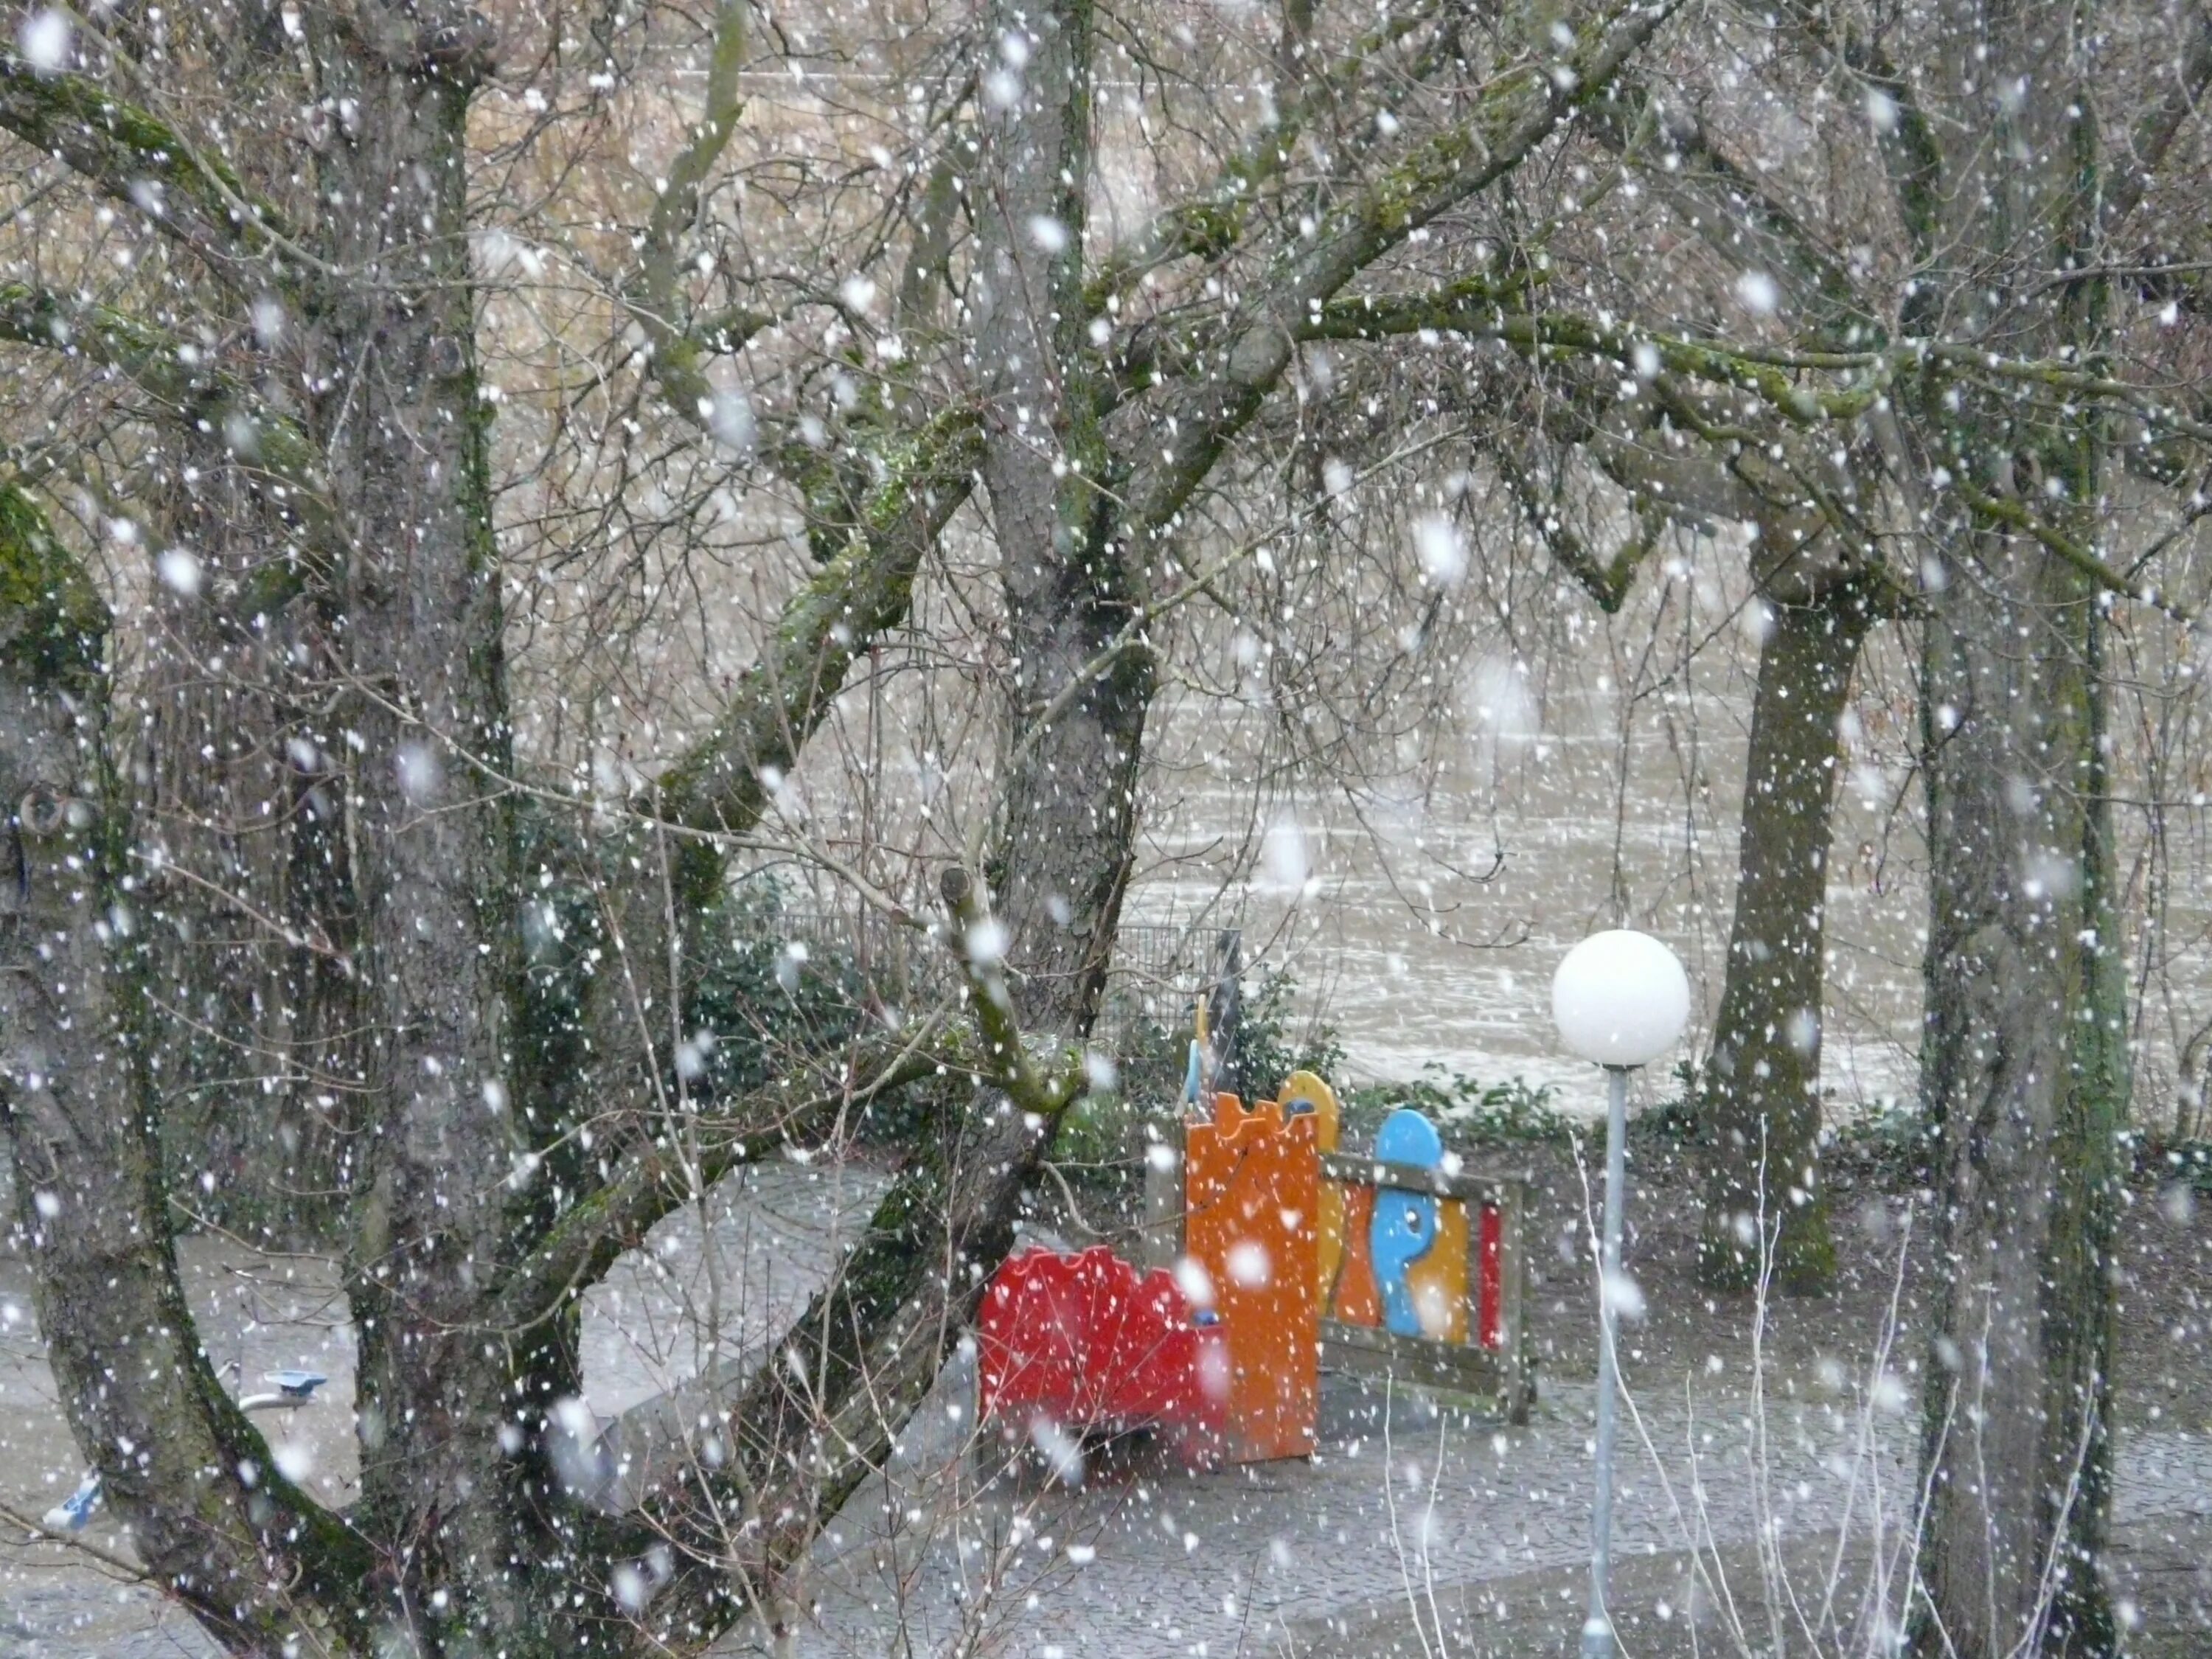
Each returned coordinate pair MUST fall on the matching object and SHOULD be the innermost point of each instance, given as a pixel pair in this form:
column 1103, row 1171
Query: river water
column 1429, row 916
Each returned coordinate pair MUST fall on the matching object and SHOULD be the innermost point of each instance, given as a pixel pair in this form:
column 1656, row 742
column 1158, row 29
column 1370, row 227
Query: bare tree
column 290, row 241
column 1932, row 425
column 298, row 354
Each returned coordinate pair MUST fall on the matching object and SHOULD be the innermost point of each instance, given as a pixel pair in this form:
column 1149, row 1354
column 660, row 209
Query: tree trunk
column 870, row 1345
column 75, row 1069
column 1759, row 1102
column 1758, row 1097
column 2025, row 1073
column 1067, row 792
column 2024, row 1067
column 420, row 660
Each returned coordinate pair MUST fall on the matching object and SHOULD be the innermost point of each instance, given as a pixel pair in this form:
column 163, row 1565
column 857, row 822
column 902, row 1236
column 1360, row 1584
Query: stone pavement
column 1402, row 1502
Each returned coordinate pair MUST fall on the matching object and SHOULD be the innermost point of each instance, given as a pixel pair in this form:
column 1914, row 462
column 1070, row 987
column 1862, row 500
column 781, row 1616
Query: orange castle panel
column 1251, row 1206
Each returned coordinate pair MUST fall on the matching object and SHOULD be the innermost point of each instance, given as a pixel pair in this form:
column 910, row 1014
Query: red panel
column 1490, row 1325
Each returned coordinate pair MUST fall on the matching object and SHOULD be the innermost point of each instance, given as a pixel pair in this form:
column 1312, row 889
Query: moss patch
column 53, row 623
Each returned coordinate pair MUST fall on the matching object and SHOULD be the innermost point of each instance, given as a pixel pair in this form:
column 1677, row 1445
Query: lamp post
column 1620, row 1000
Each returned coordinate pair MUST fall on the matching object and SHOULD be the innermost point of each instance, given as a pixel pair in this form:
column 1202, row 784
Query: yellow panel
column 1304, row 1088
column 1437, row 1282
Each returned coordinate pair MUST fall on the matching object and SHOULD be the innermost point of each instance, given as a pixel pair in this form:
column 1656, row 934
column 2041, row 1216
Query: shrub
column 1515, row 1112
column 764, row 994
column 2161, row 1160
column 1890, row 1138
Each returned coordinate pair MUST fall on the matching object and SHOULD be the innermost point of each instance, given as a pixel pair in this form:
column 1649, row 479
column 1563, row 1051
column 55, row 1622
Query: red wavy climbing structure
column 1090, row 1344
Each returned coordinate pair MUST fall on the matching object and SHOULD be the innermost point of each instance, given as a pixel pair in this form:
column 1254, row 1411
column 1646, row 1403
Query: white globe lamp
column 1620, row 999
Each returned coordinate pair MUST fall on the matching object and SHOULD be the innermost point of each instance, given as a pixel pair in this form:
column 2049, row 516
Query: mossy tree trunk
column 2025, row 1073
column 214, row 1518
column 1759, row 1106
column 2024, row 1063
column 423, row 700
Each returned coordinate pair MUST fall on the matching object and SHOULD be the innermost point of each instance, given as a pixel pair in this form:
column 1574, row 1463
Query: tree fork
column 810, row 1424
column 216, row 1522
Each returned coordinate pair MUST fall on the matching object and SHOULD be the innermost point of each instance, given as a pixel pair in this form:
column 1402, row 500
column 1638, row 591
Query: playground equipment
column 1251, row 1199
column 1422, row 1266
column 1274, row 1253
column 1220, row 1353
column 1090, row 1343
column 1440, row 1304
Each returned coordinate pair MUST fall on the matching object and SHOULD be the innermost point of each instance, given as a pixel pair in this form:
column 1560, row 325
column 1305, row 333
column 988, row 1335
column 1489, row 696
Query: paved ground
column 1413, row 1531
column 1402, row 1515
column 1668, row 1608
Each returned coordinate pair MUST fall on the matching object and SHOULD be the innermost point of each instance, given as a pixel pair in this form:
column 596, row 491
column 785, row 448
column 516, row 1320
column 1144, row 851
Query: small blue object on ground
column 71, row 1514
column 297, row 1385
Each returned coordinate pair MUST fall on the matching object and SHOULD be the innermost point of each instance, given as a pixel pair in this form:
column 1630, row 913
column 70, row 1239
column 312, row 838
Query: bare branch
column 654, row 1182
column 1516, row 113
column 718, row 787
column 652, row 299
column 2011, row 515
column 2156, row 129
column 1737, row 213
column 1215, row 220
column 128, row 153
column 265, row 440
column 1607, row 580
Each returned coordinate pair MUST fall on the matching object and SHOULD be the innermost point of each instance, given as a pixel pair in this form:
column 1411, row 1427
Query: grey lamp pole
column 1620, row 999
column 1597, row 1628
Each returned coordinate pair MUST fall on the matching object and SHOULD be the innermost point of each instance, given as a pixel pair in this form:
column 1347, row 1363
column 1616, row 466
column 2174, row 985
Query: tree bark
column 419, row 660
column 1758, row 1092
column 2024, row 1064
column 214, row 1520
column 872, row 1343
column 1066, row 794
column 253, row 1005
column 2024, row 1075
